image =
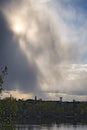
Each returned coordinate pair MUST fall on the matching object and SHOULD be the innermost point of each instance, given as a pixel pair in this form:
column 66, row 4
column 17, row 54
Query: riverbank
column 30, row 111
column 40, row 111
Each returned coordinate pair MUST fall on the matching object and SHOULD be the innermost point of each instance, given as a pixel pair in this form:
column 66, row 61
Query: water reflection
column 34, row 127
column 47, row 127
column 52, row 127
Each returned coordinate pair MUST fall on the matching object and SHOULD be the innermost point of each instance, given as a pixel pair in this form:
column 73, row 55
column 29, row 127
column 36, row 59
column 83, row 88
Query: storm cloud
column 32, row 45
column 12, row 56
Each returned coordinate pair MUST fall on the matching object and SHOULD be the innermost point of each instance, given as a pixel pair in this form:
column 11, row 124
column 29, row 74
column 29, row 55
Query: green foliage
column 13, row 111
column 8, row 110
column 39, row 110
column 8, row 106
column 8, row 128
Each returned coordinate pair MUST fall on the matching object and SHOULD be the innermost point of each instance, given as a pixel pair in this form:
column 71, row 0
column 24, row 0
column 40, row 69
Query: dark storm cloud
column 22, row 74
column 39, row 64
column 20, row 71
column 7, row 2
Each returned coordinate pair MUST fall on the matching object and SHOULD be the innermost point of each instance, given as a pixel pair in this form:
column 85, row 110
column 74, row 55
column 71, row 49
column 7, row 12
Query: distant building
column 35, row 98
column 74, row 100
column 61, row 99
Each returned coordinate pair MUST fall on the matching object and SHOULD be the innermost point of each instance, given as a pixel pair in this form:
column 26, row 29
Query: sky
column 44, row 45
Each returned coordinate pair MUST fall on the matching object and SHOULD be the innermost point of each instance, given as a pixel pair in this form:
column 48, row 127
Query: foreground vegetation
column 29, row 111
column 8, row 111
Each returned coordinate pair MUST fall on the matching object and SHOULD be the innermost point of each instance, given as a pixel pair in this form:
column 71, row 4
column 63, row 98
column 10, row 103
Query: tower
column 61, row 99
column 35, row 98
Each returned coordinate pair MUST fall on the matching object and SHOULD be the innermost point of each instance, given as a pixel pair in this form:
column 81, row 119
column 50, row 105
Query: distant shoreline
column 54, row 111
column 37, row 111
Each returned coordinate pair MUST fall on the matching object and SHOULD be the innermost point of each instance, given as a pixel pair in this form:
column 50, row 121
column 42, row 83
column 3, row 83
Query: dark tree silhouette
column 3, row 73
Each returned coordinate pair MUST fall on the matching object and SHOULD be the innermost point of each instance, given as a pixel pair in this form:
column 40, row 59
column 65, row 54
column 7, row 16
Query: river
column 52, row 127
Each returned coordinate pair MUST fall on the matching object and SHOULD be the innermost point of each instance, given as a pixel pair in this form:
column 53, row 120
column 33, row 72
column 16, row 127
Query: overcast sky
column 44, row 45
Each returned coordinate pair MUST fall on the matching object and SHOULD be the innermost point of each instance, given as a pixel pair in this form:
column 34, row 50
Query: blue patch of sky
column 78, row 20
column 78, row 9
column 81, row 7
column 80, row 4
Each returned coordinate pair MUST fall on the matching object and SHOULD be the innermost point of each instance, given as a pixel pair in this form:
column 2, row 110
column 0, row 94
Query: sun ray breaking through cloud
column 46, row 34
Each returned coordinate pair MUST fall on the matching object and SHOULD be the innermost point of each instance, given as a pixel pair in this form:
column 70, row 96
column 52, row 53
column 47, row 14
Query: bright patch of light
column 17, row 24
column 17, row 94
column 18, row 28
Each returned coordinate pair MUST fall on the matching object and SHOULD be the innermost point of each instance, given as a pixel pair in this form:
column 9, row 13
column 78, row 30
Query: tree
column 8, row 106
column 3, row 73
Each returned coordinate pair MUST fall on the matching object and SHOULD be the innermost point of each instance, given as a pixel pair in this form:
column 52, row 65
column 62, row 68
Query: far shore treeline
column 30, row 111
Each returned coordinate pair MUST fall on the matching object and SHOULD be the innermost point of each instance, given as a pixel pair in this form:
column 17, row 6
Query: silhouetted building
column 61, row 99
column 35, row 98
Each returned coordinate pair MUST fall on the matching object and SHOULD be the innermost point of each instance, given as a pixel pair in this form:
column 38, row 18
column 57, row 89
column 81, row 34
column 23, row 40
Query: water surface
column 51, row 127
